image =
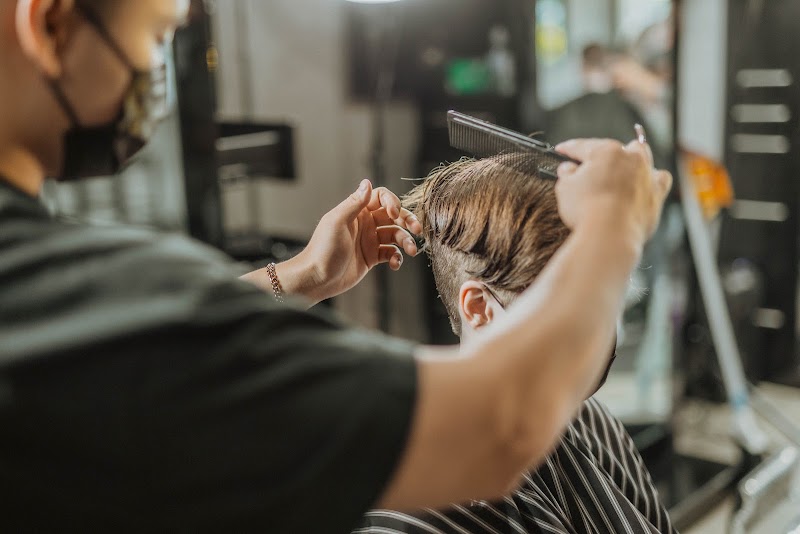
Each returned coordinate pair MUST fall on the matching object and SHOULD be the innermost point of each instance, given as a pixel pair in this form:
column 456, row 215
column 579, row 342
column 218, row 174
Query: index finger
column 583, row 149
column 383, row 198
column 406, row 220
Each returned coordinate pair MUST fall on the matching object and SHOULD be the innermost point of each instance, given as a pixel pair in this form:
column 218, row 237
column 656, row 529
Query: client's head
column 489, row 231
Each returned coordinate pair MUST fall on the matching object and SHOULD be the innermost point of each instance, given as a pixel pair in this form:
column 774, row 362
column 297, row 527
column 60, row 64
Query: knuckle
column 640, row 157
column 610, row 146
column 667, row 179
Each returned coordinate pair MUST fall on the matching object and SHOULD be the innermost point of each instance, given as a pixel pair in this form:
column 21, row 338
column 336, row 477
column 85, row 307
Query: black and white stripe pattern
column 594, row 482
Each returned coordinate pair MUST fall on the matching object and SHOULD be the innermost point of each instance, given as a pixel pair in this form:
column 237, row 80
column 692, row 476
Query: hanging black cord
column 384, row 66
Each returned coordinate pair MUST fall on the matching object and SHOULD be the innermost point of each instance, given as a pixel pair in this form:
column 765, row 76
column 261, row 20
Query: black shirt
column 143, row 387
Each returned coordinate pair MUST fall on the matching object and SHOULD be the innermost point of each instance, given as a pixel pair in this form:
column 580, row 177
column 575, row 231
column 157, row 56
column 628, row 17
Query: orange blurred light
column 712, row 183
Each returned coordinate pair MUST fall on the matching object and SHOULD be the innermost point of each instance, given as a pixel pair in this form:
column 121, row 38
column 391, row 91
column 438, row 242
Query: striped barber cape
column 594, row 482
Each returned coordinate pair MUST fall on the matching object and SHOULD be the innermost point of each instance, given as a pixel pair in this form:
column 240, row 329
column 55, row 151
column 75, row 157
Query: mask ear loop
column 64, row 102
column 94, row 20
column 98, row 25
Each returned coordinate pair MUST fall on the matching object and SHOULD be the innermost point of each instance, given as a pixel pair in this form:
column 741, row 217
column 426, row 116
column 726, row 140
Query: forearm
column 295, row 280
column 559, row 332
column 503, row 404
column 568, row 316
column 553, row 349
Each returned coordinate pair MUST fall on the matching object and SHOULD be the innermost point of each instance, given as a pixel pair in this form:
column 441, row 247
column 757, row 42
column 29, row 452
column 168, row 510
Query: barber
column 144, row 387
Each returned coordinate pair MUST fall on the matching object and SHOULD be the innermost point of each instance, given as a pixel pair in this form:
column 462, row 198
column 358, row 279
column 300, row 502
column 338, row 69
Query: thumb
column 566, row 169
column 663, row 183
column 350, row 207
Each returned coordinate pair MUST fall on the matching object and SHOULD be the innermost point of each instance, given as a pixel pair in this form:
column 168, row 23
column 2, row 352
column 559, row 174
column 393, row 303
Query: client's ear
column 476, row 305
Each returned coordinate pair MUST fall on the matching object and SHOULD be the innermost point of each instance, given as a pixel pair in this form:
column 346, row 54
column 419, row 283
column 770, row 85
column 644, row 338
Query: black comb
column 483, row 139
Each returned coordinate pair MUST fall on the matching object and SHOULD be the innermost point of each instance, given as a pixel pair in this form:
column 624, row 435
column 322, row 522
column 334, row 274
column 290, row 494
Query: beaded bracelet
column 276, row 284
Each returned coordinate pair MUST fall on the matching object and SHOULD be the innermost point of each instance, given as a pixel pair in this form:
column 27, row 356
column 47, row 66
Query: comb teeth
column 485, row 140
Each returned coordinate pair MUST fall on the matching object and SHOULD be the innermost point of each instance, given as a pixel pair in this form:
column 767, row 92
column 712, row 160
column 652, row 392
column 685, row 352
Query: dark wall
column 764, row 35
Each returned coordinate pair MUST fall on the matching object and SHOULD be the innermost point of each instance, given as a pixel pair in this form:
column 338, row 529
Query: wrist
column 617, row 231
column 298, row 276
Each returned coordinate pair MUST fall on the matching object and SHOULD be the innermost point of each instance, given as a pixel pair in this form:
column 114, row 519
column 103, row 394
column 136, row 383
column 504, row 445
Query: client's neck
column 19, row 168
column 467, row 335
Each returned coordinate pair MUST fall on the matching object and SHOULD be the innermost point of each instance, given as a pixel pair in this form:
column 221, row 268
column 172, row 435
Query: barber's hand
column 615, row 185
column 368, row 228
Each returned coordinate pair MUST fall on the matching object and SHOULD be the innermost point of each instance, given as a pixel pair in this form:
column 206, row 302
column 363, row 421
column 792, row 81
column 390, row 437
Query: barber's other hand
column 368, row 228
column 614, row 185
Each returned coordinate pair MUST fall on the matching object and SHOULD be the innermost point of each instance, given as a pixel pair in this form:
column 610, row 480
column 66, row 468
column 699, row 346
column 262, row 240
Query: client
column 489, row 231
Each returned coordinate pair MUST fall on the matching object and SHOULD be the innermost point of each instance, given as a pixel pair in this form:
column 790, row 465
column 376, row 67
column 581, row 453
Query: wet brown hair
column 483, row 220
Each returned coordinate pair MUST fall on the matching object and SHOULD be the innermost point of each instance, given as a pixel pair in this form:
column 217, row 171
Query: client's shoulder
column 596, row 425
column 595, row 412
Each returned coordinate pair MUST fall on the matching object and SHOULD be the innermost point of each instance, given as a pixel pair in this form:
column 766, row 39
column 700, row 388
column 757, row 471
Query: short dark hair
column 482, row 219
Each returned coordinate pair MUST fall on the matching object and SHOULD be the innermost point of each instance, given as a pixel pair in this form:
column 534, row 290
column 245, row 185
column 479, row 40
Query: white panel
column 756, row 210
column 769, row 318
column 761, row 113
column 703, row 63
column 752, row 78
column 760, row 144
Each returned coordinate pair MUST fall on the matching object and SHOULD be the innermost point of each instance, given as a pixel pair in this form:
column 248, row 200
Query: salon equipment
column 772, row 478
column 762, row 490
column 775, row 417
column 746, row 431
column 255, row 151
column 483, row 139
column 247, row 154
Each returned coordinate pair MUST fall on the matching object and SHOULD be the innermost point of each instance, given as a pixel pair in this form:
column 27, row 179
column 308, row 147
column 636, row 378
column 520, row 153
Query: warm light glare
column 712, row 182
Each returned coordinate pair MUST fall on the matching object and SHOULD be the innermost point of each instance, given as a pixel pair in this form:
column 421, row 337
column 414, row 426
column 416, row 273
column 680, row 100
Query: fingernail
column 364, row 185
column 409, row 243
column 641, row 136
column 398, row 258
column 565, row 167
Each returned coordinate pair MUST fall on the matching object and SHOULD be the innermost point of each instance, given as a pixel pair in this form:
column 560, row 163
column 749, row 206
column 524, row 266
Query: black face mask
column 105, row 149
